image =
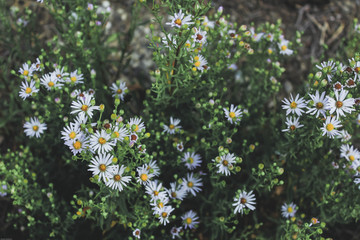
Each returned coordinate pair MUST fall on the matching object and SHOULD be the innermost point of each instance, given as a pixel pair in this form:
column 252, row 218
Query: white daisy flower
column 26, row 71
column 344, row 136
column 330, row 127
column 192, row 160
column 116, row 178
column 226, row 161
column 199, row 36
column 180, row 146
column 71, row 132
column 169, row 41
column 164, row 214
column 234, row 115
column 244, row 200
column 60, row 74
column 200, row 63
column 83, row 106
column 320, row 105
column 338, row 86
column 101, row 142
column 340, row 105
column 101, row 166
column 232, row 33
column 294, row 105
column 153, row 168
column 350, row 83
column 190, row 219
column 192, row 184
column 75, row 78
column 292, row 124
column 49, row 81
column 356, row 67
column 136, row 124
column 119, row 133
column 34, row 128
column 133, row 138
column 78, row 145
column 176, row 191
column 356, row 166
column 175, row 231
column 173, row 126
column 144, row 175
column 136, row 233
column 27, row 89
column 179, row 19
column 118, row 89
column 159, row 203
column 269, row 37
column 153, row 189
column 283, row 46
column 36, row 66
column 328, row 68
column 313, row 221
column 288, row 210
column 349, row 153
column 207, row 23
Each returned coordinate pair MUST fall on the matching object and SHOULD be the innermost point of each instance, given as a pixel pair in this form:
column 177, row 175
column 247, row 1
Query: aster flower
column 320, row 105
column 180, row 146
column 119, row 133
column 330, row 127
column 83, row 106
column 344, row 136
column 232, row 33
column 75, row 78
column 192, row 160
column 179, row 19
column 349, row 153
column 117, row 180
column 288, row 210
column 340, row 105
column 136, row 125
column 244, row 200
column 313, row 221
column 233, row 115
column 350, row 83
column 50, row 81
column 164, row 214
column 27, row 89
column 60, row 74
column 200, row 63
column 225, row 162
column 153, row 189
column 190, row 219
column 173, row 126
column 36, row 66
column 101, row 142
column 175, row 231
column 207, row 23
column 328, row 68
column 176, row 191
column 294, row 105
column 34, row 128
column 192, row 184
column 355, row 165
column 118, row 89
column 136, row 233
column 292, row 124
column 153, row 168
column 338, row 86
column 101, row 166
column 71, row 132
column 356, row 67
column 199, row 36
column 283, row 46
column 79, row 144
column 144, row 176
column 26, row 71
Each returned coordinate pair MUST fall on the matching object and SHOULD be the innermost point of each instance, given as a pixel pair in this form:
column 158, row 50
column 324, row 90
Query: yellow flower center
column 319, row 105
column 293, row 105
column 117, row 134
column 292, row 127
column 35, row 128
column 102, row 167
column 119, row 91
column 351, row 157
column 243, row 200
column 178, row 21
column 144, row 177
column 58, row 75
column 225, row 162
column 283, row 47
column 28, row 90
column 102, row 140
column 191, row 160
column 161, row 205
column 190, row 184
column 232, row 114
column 330, row 127
column 77, row 145
column 73, row 79
column 171, row 126
column 357, row 69
column 84, row 108
column 136, row 128
column 188, row 220
column 51, row 84
column 72, row 135
column 164, row 214
column 117, row 177
column 197, row 64
column 339, row 104
column 156, row 193
column 196, row 58
column 290, row 210
column 270, row 51
column 26, row 72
